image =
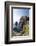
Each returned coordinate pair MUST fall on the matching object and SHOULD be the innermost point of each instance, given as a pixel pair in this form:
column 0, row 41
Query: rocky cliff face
column 23, row 20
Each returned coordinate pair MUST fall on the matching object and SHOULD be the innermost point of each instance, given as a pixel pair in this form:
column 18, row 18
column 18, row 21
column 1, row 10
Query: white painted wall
column 2, row 25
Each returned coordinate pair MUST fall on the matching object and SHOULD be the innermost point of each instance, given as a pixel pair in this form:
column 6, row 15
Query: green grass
column 25, row 30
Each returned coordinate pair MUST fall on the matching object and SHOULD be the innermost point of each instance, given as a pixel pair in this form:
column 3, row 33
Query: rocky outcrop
column 18, row 29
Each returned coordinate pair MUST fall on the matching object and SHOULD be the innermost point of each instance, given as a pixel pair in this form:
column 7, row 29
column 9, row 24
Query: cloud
column 16, row 18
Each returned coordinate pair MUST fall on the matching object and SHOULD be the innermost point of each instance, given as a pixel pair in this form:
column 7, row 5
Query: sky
column 17, row 13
